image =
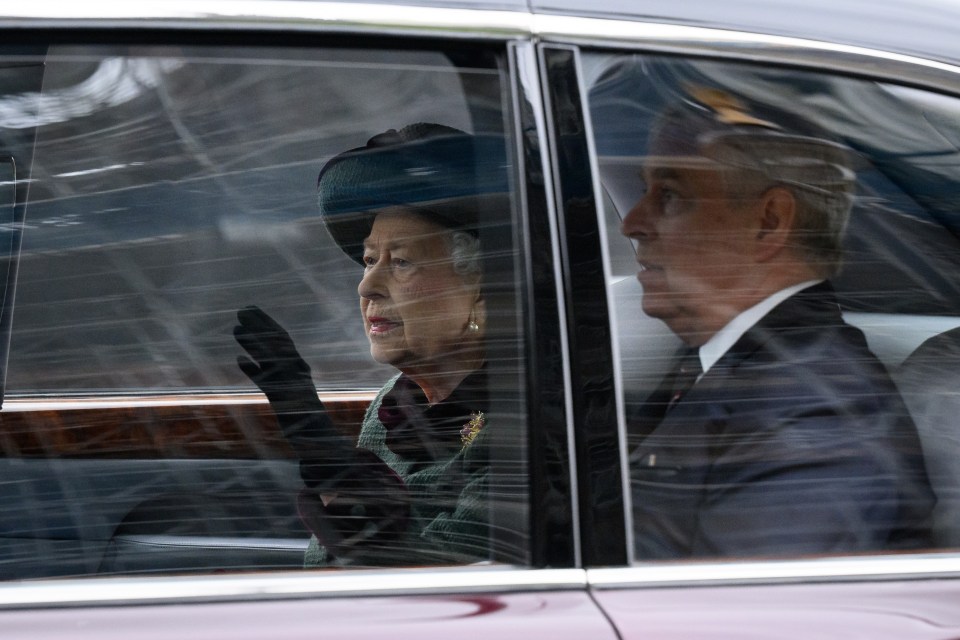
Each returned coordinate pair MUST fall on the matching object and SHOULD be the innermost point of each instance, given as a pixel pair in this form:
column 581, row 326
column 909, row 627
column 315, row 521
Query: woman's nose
column 372, row 283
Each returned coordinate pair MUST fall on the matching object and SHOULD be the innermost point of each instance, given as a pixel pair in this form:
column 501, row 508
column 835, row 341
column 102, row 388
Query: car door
column 898, row 285
column 148, row 488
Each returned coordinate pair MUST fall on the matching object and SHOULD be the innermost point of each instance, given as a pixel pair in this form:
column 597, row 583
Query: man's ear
column 777, row 211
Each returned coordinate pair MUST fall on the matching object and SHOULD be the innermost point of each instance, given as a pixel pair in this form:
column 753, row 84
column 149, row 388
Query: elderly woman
column 406, row 206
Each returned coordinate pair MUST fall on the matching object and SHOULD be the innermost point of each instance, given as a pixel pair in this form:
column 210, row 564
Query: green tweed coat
column 449, row 522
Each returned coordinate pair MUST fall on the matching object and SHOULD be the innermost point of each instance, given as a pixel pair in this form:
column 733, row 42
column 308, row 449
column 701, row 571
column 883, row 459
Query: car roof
column 923, row 28
column 926, row 28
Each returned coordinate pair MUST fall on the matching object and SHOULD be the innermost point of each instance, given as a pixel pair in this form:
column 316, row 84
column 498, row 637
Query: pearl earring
column 472, row 326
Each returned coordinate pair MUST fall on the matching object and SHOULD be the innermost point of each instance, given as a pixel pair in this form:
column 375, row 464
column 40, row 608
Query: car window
column 782, row 253
column 266, row 314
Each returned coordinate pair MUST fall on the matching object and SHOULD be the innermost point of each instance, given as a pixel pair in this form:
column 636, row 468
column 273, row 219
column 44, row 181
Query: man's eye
column 369, row 261
column 641, row 188
column 400, row 263
column 670, row 202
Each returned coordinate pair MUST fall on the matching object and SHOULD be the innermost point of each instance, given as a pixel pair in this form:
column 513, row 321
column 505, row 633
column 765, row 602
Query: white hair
column 823, row 204
column 464, row 252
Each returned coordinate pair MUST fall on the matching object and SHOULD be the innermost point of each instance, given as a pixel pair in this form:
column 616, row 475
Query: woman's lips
column 380, row 326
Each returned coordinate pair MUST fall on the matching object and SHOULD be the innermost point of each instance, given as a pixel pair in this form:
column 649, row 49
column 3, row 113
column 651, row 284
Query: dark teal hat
column 442, row 173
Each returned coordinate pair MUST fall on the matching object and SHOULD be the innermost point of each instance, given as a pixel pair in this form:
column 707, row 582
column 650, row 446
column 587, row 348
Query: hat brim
column 456, row 181
column 349, row 230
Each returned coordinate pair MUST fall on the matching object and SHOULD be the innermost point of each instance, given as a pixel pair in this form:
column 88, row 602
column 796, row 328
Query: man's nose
column 638, row 223
column 372, row 284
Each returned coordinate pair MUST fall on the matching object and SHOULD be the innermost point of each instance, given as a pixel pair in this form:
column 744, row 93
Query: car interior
column 157, row 191
column 901, row 247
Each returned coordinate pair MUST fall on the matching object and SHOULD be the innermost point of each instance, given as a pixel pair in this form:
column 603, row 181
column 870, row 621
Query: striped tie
column 685, row 375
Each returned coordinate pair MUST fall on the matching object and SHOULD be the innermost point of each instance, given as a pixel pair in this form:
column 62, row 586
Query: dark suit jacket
column 795, row 441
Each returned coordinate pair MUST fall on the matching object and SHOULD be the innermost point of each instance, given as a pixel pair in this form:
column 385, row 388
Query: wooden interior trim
column 158, row 426
column 108, row 401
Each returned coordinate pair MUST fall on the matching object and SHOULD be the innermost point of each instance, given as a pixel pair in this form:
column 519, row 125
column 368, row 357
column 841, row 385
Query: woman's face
column 416, row 308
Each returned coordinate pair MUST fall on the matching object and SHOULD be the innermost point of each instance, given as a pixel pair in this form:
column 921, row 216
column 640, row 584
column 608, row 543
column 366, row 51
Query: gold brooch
column 470, row 430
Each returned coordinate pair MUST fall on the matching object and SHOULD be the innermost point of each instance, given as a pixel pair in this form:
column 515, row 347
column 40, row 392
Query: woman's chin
column 385, row 355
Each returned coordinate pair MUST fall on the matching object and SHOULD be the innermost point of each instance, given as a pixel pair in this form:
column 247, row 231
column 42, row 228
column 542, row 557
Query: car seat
column 929, row 380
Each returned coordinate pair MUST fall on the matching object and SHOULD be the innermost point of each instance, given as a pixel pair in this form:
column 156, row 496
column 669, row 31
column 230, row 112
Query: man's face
column 693, row 247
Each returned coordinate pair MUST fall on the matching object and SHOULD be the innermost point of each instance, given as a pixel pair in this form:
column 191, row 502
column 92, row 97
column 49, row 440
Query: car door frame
column 555, row 567
column 690, row 586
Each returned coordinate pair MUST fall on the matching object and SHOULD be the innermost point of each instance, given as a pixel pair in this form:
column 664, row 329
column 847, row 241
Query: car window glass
column 784, row 273
column 185, row 290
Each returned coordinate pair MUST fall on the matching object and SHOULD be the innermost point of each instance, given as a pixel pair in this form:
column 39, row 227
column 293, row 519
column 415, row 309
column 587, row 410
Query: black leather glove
column 284, row 377
column 370, row 502
column 365, row 518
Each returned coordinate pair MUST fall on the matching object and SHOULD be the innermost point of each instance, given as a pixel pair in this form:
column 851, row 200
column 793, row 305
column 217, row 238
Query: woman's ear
column 777, row 210
column 480, row 312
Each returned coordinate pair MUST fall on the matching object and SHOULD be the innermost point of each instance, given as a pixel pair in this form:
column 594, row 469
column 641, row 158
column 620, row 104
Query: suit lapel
column 814, row 306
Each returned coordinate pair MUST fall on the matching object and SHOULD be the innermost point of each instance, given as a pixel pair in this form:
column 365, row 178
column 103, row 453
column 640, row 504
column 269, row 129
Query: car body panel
column 503, row 616
column 876, row 610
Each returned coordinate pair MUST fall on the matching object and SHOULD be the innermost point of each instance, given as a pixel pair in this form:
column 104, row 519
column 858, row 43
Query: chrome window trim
column 285, row 15
column 711, row 573
column 285, row 585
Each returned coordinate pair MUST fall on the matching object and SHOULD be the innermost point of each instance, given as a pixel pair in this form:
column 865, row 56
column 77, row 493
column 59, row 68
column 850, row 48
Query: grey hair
column 824, row 199
column 465, row 253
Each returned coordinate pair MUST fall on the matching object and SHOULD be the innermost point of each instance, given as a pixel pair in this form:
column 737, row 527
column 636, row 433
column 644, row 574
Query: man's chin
column 679, row 323
column 658, row 306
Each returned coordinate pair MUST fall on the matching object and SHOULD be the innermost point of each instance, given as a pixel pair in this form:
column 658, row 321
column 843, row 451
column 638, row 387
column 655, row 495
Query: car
column 160, row 165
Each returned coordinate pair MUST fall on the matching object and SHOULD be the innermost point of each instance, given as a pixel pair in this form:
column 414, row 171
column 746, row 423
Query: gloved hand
column 284, row 377
column 366, row 516
column 370, row 502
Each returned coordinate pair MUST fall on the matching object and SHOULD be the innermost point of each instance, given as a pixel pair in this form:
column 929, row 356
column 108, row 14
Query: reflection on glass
column 9, row 249
column 172, row 187
column 758, row 204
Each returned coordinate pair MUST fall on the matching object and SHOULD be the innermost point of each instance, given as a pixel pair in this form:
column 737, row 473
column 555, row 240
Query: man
column 782, row 433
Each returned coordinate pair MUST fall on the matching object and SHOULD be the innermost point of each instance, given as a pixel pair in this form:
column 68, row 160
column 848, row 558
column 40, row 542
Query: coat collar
column 424, row 432
column 813, row 307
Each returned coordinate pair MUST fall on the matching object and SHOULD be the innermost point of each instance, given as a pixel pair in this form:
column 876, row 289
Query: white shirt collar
column 714, row 348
